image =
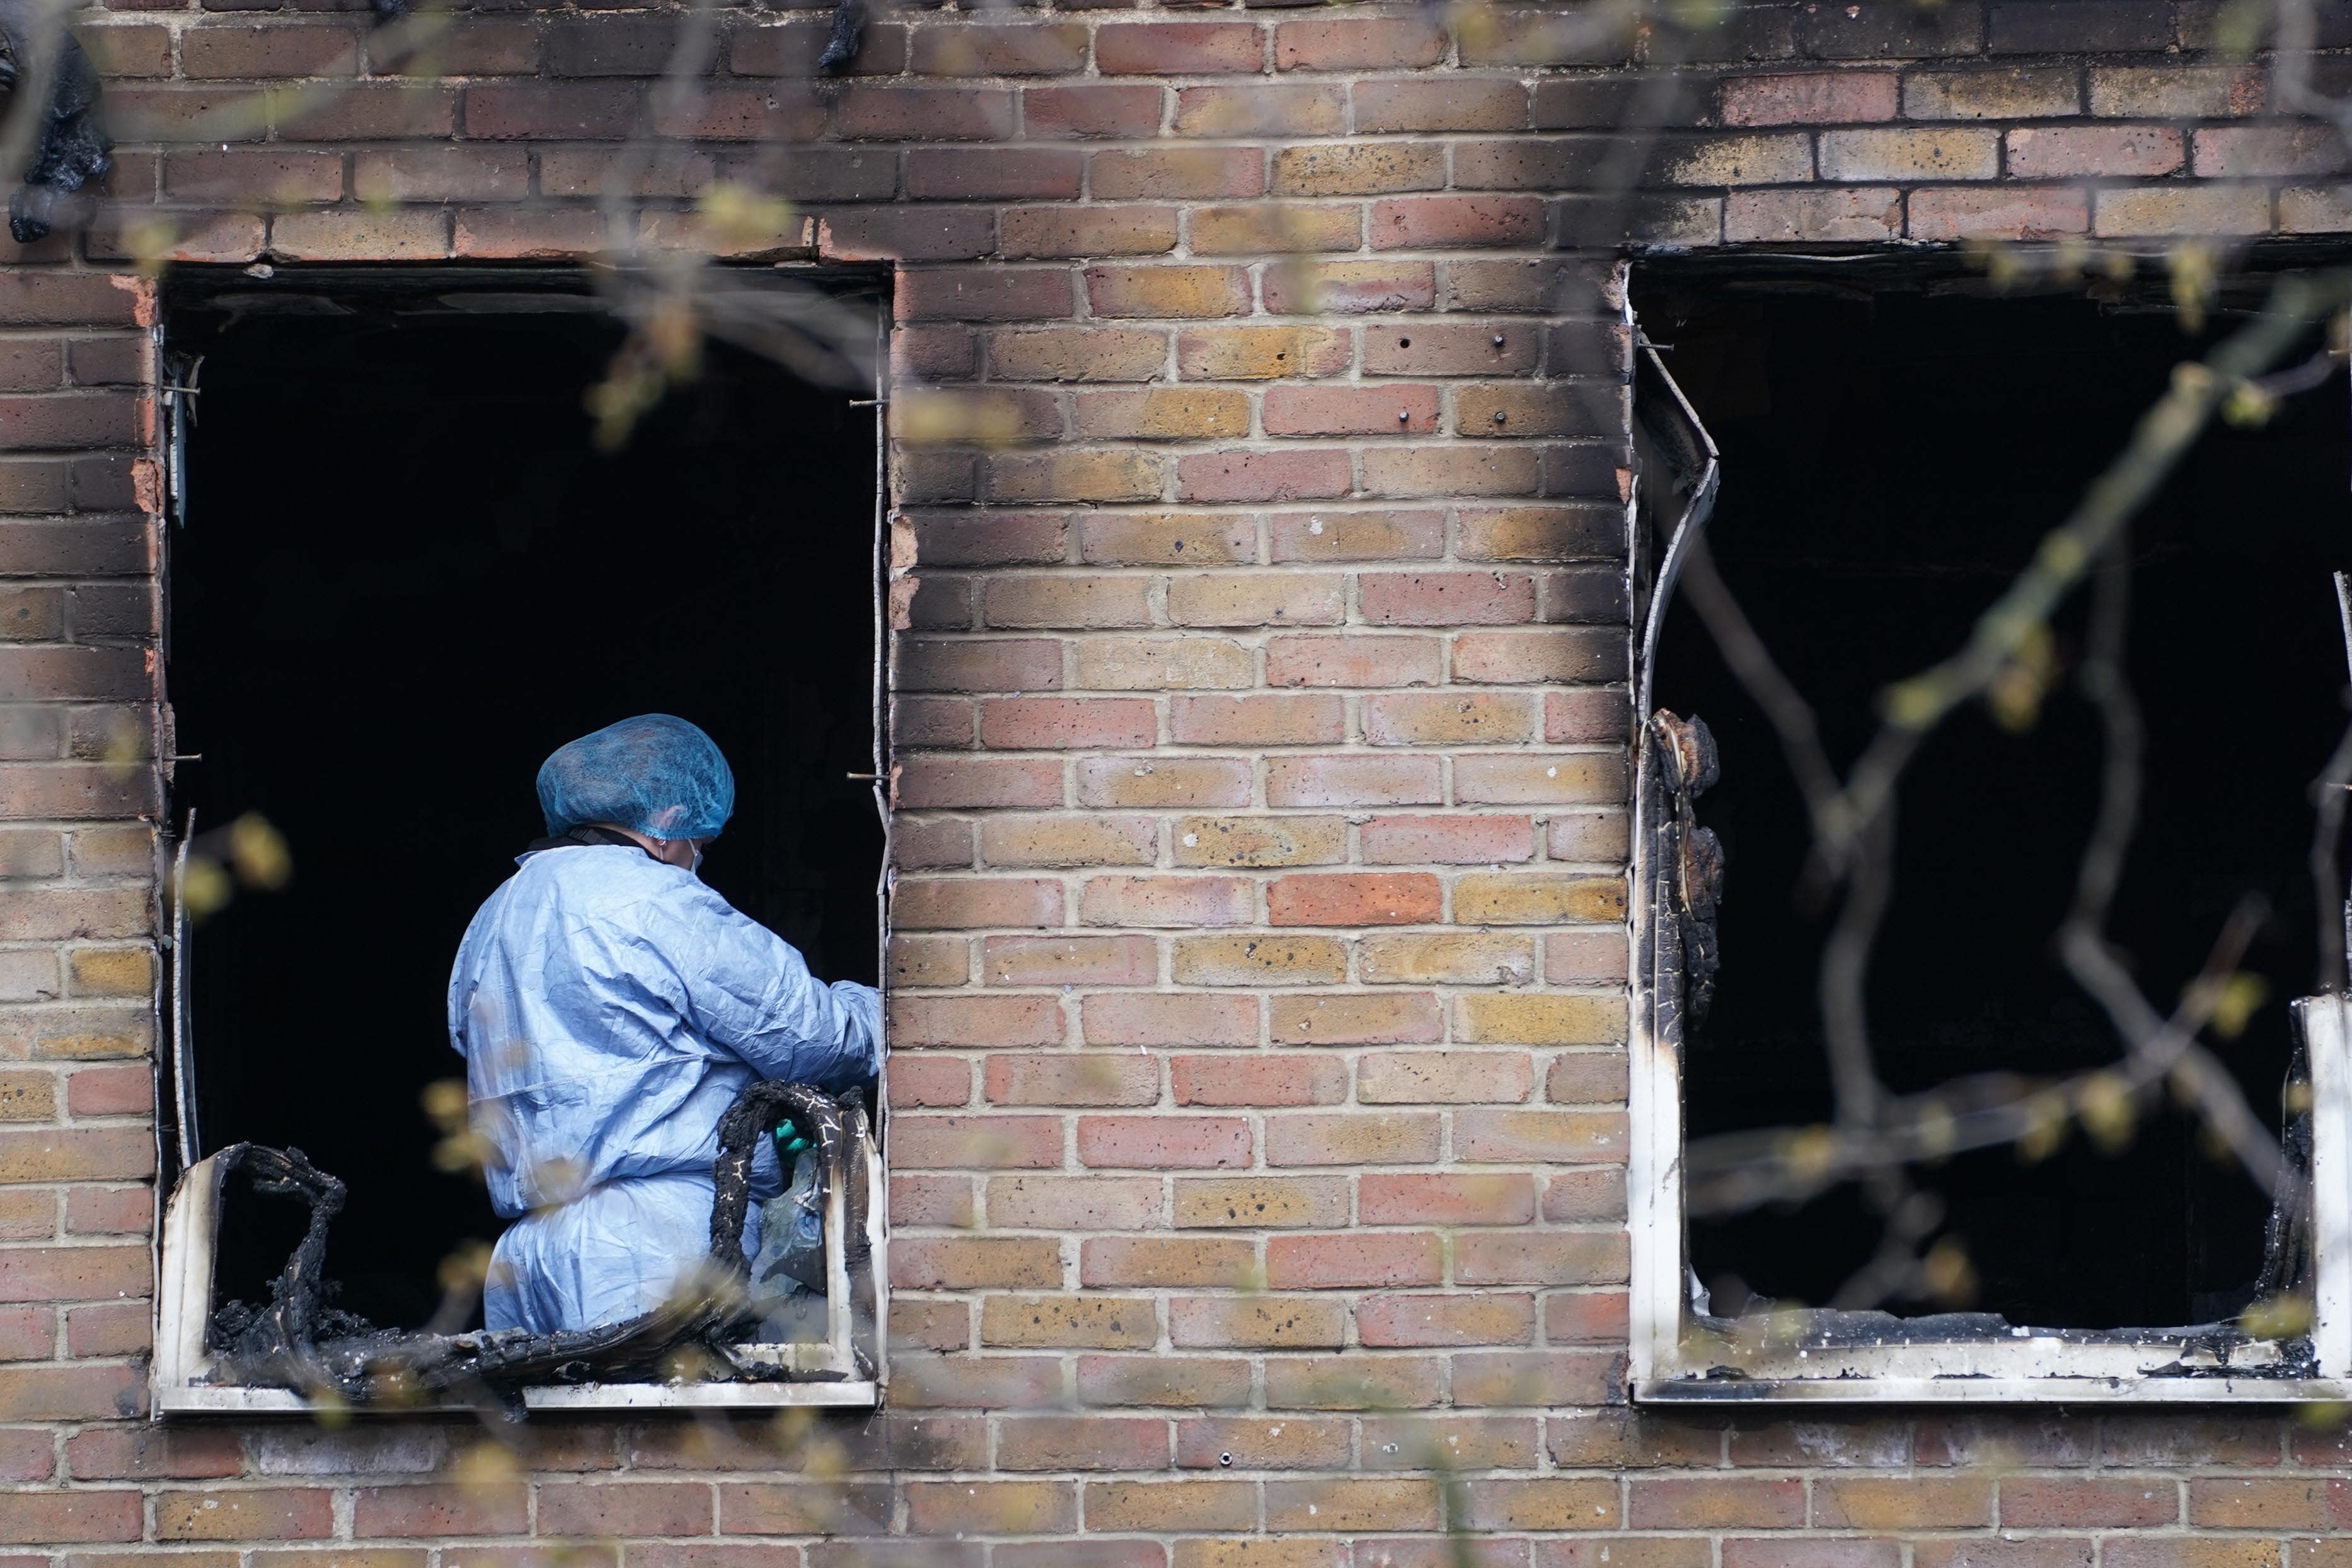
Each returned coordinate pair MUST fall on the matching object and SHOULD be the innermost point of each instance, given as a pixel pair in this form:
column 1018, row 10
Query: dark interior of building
column 406, row 574
column 1891, row 457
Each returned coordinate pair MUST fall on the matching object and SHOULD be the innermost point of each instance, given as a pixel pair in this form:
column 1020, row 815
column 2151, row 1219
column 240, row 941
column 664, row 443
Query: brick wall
column 1257, row 998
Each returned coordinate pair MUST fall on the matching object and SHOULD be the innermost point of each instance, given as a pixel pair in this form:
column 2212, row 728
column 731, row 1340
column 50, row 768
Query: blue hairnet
column 660, row 775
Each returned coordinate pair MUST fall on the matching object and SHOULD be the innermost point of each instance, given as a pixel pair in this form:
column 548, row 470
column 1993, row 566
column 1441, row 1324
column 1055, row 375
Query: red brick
column 1143, row 1019
column 1256, row 720
column 1088, row 109
column 1354, row 1259
column 1355, row 1018
column 2058, row 152
column 995, row 174
column 976, row 1142
column 1351, row 411
column 975, row 1021
column 1252, row 475
column 76, row 1274
column 440, row 1508
column 1083, row 1442
column 1179, row 48
column 1027, row 723
column 1176, row 174
column 33, row 1518
column 2087, row 1502
column 1451, row 103
column 953, row 783
column 969, row 48
column 607, row 1508
column 924, row 113
column 1385, row 1198
column 1354, row 661
column 1678, row 1502
column 1352, row 781
column 932, row 903
column 1488, row 1318
column 1350, row 288
column 1355, row 899
column 1351, row 1139
column 1088, row 231
column 1357, row 43
column 1163, row 1143
column 1810, row 98
column 1428, row 222
column 1254, row 1080
column 1190, row 1381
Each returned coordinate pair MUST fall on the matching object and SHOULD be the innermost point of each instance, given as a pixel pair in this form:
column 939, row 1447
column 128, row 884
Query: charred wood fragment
column 1689, row 857
column 70, row 146
column 848, row 34
column 300, row 1342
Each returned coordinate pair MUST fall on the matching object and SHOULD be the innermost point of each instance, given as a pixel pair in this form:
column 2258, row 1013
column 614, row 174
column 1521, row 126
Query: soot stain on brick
column 72, row 149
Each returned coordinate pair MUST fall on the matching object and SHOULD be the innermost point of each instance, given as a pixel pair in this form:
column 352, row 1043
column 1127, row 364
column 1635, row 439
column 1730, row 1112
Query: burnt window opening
column 1890, row 457
column 405, row 573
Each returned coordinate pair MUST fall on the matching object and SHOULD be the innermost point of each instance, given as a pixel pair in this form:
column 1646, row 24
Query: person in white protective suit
column 610, row 1006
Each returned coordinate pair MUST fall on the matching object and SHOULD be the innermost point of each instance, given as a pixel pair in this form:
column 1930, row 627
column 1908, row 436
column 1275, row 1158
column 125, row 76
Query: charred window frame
column 764, row 316
column 1679, row 1353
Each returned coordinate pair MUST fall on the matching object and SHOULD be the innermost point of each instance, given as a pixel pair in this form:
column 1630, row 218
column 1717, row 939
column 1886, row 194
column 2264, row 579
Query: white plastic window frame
column 180, row 1380
column 1675, row 1360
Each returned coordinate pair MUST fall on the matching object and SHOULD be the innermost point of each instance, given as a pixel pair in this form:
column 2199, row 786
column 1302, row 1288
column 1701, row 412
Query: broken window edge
column 1675, row 1353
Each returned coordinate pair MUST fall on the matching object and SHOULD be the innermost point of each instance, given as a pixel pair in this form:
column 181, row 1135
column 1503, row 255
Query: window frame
column 187, row 1211
column 1672, row 1359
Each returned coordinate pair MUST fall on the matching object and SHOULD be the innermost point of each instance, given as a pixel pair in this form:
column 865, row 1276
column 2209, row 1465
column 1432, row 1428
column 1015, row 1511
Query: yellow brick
column 1171, row 538
column 1404, row 1503
column 1164, row 664
column 930, row 961
column 1094, row 352
column 1094, row 1320
column 1169, row 414
column 27, row 1097
column 1537, row 898
column 1258, row 599
column 1253, row 1203
column 1452, row 958
column 1168, row 291
column 1260, row 1551
column 1260, row 840
column 1170, row 1505
column 1076, row 840
column 1745, row 161
column 1540, row 1018
column 111, row 971
column 1074, row 475
column 1263, row 354
column 1273, row 228
column 1265, row 959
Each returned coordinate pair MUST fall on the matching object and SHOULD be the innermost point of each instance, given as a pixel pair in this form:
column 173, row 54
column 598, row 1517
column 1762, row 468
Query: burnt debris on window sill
column 297, row 1340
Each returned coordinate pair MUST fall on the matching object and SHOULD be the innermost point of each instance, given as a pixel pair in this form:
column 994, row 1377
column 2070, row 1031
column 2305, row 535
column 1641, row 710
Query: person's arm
column 749, row 990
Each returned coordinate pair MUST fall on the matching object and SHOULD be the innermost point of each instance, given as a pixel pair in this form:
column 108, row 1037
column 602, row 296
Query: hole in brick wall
column 407, row 575
column 1890, row 461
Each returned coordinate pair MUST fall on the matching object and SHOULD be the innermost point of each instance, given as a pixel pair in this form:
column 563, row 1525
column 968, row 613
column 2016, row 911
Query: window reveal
column 1861, row 425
